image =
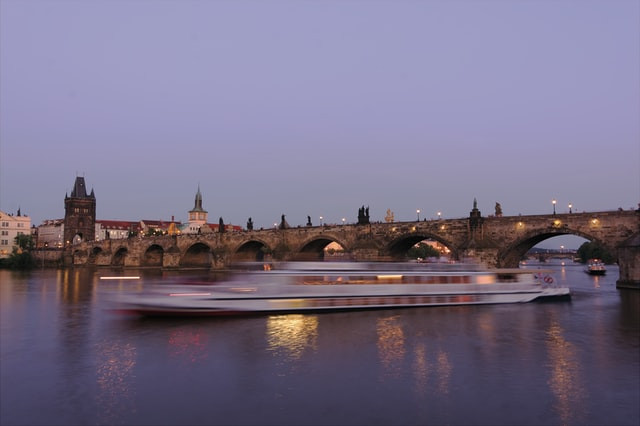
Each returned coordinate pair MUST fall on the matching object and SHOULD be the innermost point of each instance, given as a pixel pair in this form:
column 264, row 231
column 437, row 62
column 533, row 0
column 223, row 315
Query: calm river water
column 66, row 359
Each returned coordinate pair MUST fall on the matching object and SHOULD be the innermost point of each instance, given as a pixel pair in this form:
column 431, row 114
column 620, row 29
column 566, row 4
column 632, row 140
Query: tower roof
column 198, row 204
column 80, row 189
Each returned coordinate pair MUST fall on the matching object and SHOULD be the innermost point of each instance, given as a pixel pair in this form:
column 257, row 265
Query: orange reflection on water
column 292, row 334
column 420, row 368
column 391, row 345
column 565, row 376
column 423, row 368
column 444, row 372
column 74, row 286
column 70, row 286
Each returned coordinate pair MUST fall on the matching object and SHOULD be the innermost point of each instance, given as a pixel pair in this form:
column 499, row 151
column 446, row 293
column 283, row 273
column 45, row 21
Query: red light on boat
column 189, row 294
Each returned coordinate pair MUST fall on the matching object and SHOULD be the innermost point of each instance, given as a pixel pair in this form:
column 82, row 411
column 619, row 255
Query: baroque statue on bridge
column 363, row 216
column 283, row 223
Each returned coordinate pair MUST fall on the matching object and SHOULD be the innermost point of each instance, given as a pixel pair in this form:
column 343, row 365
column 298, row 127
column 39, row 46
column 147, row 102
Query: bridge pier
column 487, row 257
column 131, row 260
column 103, row 259
column 171, row 259
column 629, row 263
column 363, row 255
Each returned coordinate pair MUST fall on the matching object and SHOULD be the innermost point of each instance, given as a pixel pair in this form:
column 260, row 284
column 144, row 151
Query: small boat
column 301, row 287
column 596, row 267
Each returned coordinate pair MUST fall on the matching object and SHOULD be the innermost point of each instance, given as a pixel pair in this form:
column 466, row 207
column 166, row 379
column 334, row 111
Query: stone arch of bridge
column 253, row 250
column 510, row 256
column 313, row 248
column 399, row 246
column 119, row 256
column 153, row 255
column 198, row 255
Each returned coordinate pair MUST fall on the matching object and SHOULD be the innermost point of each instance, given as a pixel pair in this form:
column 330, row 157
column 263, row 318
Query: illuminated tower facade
column 79, row 214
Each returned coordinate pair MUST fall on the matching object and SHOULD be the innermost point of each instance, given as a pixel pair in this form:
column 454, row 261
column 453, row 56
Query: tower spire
column 198, row 204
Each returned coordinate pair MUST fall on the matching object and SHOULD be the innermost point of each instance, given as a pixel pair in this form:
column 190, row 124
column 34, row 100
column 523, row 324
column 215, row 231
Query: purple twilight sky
column 319, row 107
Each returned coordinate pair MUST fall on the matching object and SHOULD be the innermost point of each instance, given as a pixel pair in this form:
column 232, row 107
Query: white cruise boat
column 328, row 286
column 596, row 267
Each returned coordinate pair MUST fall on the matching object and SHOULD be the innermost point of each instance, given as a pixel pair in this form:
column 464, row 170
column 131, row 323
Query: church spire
column 198, row 204
column 198, row 215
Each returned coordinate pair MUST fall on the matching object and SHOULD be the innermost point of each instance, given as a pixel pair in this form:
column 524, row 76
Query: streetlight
column 439, row 215
column 343, row 221
column 320, row 220
column 418, row 213
column 570, row 206
column 554, row 205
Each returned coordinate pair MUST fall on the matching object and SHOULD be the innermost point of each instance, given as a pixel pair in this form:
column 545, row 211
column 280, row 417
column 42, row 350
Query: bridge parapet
column 496, row 241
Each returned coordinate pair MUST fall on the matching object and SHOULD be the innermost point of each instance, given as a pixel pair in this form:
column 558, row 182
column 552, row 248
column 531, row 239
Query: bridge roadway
column 493, row 241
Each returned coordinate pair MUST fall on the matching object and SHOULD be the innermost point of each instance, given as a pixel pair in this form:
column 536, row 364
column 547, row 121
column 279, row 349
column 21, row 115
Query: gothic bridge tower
column 79, row 214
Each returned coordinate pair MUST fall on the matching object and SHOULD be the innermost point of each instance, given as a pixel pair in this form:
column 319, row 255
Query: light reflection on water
column 391, row 343
column 291, row 335
column 444, row 372
column 116, row 395
column 188, row 345
column 580, row 356
column 565, row 379
column 596, row 281
column 420, row 369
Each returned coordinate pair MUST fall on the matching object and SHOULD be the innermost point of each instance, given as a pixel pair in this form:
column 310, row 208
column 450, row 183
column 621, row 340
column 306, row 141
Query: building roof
column 216, row 226
column 53, row 222
column 118, row 224
column 11, row 217
column 162, row 224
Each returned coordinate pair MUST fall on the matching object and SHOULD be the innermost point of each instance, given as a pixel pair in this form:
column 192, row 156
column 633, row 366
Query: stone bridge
column 493, row 241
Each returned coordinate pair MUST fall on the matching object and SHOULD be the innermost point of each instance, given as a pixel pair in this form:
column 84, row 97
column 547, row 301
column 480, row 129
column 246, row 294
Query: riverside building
column 10, row 227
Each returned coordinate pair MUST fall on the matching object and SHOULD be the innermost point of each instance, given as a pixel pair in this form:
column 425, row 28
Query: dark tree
column 221, row 226
column 422, row 251
column 250, row 225
column 593, row 250
column 20, row 257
